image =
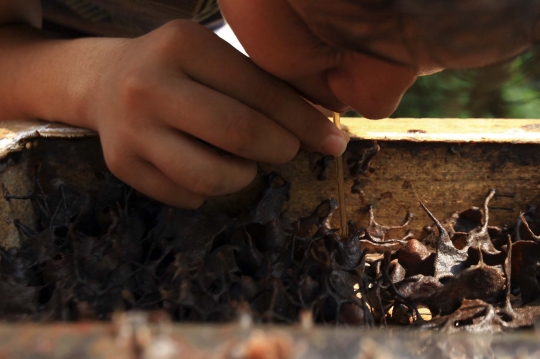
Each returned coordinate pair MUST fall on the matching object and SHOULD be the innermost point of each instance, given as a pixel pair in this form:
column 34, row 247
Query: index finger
column 237, row 76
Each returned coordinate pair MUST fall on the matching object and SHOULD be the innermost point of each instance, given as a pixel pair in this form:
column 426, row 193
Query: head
column 366, row 53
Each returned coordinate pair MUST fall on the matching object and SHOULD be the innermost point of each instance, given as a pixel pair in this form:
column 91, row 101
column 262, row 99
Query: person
column 182, row 116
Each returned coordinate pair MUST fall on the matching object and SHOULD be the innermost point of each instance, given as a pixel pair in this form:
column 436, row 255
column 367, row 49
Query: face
column 364, row 54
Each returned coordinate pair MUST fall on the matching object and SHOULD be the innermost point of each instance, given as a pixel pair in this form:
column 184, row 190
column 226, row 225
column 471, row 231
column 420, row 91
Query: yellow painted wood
column 445, row 130
column 449, row 164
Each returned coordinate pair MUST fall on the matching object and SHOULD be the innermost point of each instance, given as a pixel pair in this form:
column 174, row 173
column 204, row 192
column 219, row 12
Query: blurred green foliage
column 504, row 90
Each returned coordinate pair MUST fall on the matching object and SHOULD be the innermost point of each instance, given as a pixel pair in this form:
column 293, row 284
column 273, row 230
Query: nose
column 372, row 87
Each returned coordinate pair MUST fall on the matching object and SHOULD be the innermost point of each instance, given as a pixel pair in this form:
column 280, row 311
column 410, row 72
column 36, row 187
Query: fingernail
column 346, row 136
column 334, row 145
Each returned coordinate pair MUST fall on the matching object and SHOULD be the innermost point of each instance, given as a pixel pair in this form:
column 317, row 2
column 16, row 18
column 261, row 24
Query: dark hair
column 452, row 27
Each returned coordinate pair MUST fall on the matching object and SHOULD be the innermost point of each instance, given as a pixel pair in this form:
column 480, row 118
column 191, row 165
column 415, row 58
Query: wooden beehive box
column 449, row 164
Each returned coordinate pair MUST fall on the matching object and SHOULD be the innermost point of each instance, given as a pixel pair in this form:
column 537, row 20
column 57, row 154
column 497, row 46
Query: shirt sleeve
column 125, row 18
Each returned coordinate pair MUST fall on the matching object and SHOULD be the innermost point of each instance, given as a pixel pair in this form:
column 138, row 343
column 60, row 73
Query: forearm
column 47, row 78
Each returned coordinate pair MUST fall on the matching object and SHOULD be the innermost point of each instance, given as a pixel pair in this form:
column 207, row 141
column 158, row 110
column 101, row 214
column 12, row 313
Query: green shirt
column 126, row 18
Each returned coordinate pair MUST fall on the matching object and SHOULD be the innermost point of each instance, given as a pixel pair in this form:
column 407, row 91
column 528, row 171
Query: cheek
column 274, row 37
column 374, row 88
column 279, row 42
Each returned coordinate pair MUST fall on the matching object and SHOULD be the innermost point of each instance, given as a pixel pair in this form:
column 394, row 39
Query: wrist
column 57, row 80
column 88, row 69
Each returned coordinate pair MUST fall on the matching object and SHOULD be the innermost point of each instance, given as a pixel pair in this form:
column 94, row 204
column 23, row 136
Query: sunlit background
column 506, row 90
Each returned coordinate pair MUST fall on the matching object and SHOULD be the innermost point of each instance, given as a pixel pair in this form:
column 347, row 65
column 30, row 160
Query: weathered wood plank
column 445, row 130
column 448, row 164
column 446, row 177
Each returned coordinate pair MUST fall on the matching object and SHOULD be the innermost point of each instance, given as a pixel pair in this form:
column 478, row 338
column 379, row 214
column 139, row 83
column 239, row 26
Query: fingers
column 164, row 112
column 147, row 179
column 227, row 123
column 237, row 76
column 194, row 166
column 176, row 169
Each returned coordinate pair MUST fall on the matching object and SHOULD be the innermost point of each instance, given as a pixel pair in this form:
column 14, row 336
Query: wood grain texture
column 446, row 177
column 445, row 130
column 449, row 164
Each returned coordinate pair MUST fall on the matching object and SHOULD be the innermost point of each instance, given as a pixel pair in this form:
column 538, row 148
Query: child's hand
column 162, row 101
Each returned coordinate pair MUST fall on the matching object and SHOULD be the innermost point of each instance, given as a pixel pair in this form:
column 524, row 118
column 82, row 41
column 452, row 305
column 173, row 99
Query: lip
column 337, row 108
column 330, row 102
column 332, row 106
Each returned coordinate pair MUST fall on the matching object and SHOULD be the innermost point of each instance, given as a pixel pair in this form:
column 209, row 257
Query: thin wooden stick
column 341, row 185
